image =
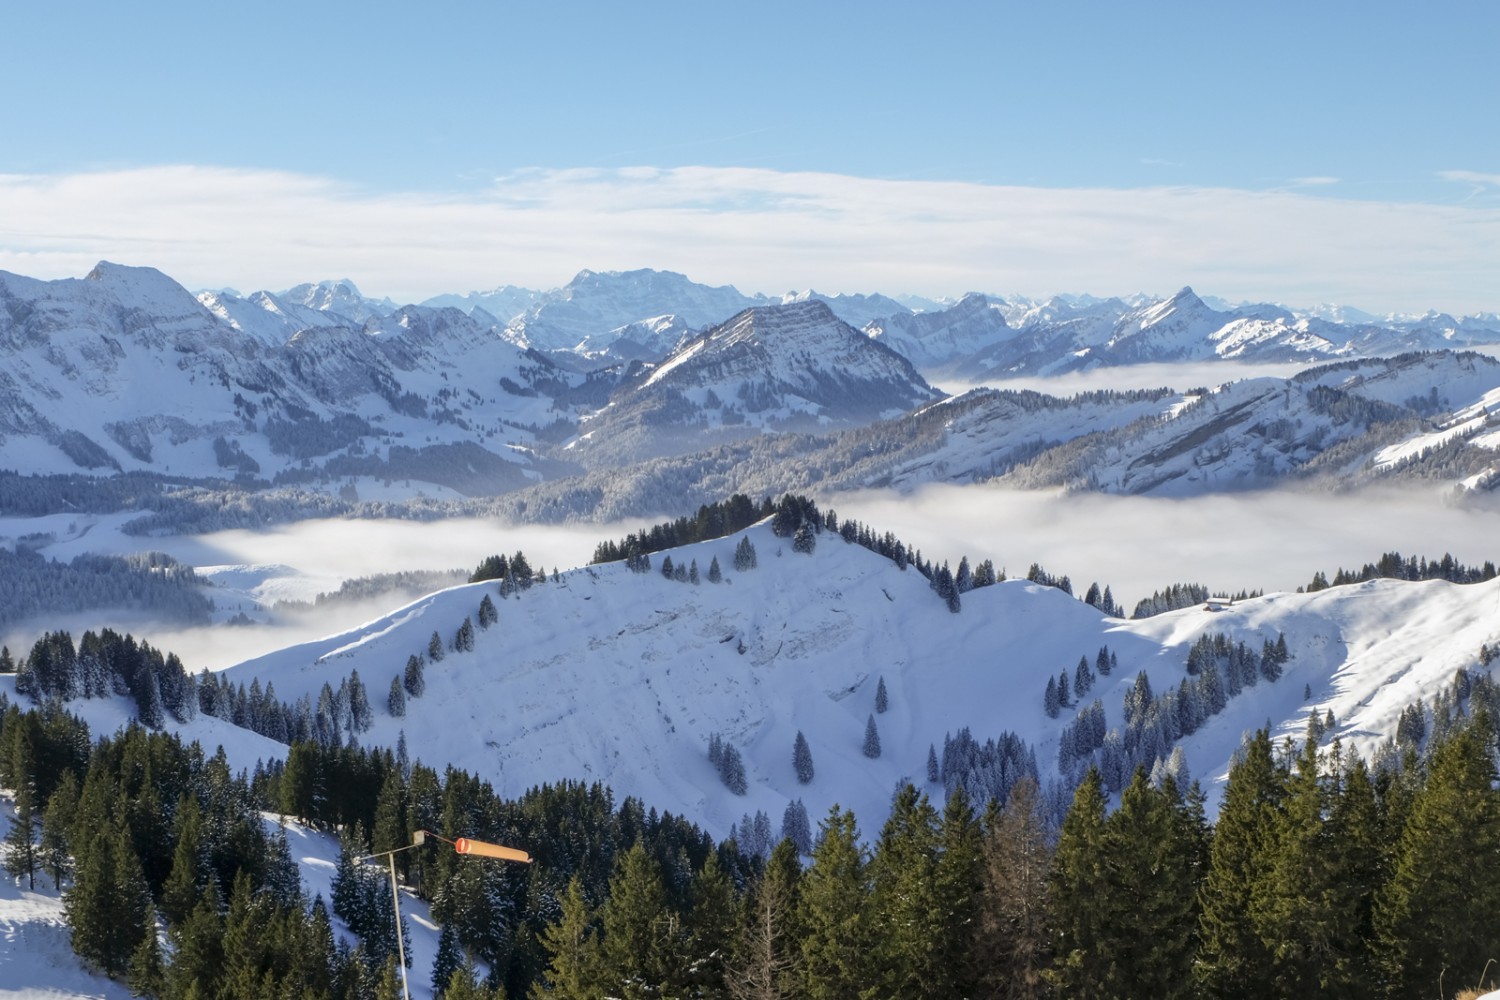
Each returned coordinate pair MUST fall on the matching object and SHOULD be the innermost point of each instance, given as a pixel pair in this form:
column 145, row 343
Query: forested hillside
column 1322, row 877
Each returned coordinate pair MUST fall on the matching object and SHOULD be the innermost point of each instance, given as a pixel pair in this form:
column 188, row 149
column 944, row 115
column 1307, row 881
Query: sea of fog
column 1272, row 540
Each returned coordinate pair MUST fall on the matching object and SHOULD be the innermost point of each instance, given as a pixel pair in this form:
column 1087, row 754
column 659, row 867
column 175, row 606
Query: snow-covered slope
column 621, row 677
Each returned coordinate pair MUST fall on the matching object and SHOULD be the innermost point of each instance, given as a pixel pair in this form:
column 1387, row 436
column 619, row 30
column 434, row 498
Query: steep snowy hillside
column 125, row 370
column 626, row 677
column 783, row 367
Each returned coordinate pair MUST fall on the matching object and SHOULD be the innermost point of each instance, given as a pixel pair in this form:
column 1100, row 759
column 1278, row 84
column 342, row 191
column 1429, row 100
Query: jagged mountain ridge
column 126, row 370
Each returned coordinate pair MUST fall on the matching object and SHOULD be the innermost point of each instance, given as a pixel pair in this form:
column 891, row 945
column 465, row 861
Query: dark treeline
column 714, row 520
column 797, row 518
column 105, row 663
column 31, row 585
column 1391, row 566
column 1182, row 595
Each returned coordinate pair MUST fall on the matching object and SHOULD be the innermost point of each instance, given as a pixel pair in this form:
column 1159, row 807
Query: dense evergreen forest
column 1324, row 876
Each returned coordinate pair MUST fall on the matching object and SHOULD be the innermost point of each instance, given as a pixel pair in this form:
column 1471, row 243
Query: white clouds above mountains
column 761, row 230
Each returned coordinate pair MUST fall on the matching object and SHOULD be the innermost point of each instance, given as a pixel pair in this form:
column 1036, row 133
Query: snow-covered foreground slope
column 623, row 678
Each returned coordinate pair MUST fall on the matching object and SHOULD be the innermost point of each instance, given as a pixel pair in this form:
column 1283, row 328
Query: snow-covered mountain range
column 320, row 387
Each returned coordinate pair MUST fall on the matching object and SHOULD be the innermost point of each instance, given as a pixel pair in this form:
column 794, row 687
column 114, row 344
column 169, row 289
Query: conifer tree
column 189, row 863
column 362, row 717
column 414, row 680
column 934, row 774
column 957, row 882
column 1050, row 700
column 1082, row 929
column 710, row 930
column 693, row 576
column 871, row 746
column 1305, row 906
column 715, row 574
column 463, row 639
column 802, row 761
column 395, row 701
column 22, row 855
column 435, row 646
column 55, row 853
column 448, row 961
column 1234, row 960
column 1148, row 880
column 796, row 828
column 903, row 902
column 744, row 555
column 834, row 914
column 487, row 613
column 146, row 975
column 1446, row 870
column 882, row 702
column 1013, row 927
column 767, row 953
column 641, row 948
column 198, row 954
column 108, row 902
column 1083, row 679
column 572, row 947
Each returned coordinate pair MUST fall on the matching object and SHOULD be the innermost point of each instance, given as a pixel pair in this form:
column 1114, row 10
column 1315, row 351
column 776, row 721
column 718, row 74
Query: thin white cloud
column 1314, row 181
column 761, row 230
column 1470, row 177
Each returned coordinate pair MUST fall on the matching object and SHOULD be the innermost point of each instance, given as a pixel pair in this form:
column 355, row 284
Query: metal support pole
column 396, row 909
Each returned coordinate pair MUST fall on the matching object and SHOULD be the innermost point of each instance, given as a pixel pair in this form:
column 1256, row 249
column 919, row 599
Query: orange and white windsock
column 478, row 848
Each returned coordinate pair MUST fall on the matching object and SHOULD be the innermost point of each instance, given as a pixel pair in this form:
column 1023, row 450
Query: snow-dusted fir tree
column 871, row 746
column 802, row 761
column 362, row 716
column 487, row 613
column 1050, row 701
column 395, row 702
column 414, row 680
column 744, row 555
column 435, row 647
column 796, row 828
column 715, row 575
column 882, row 701
column 463, row 640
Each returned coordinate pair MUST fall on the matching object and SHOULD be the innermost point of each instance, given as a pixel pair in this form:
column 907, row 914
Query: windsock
column 478, row 848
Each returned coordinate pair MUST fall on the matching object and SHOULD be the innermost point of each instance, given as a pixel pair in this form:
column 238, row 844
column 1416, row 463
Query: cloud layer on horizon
column 761, row 230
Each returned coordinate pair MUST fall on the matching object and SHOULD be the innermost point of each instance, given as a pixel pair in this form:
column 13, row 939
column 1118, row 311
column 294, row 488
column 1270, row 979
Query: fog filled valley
column 1206, row 590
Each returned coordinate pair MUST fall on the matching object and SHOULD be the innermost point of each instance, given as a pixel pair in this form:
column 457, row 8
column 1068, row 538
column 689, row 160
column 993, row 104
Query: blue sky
column 1298, row 152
